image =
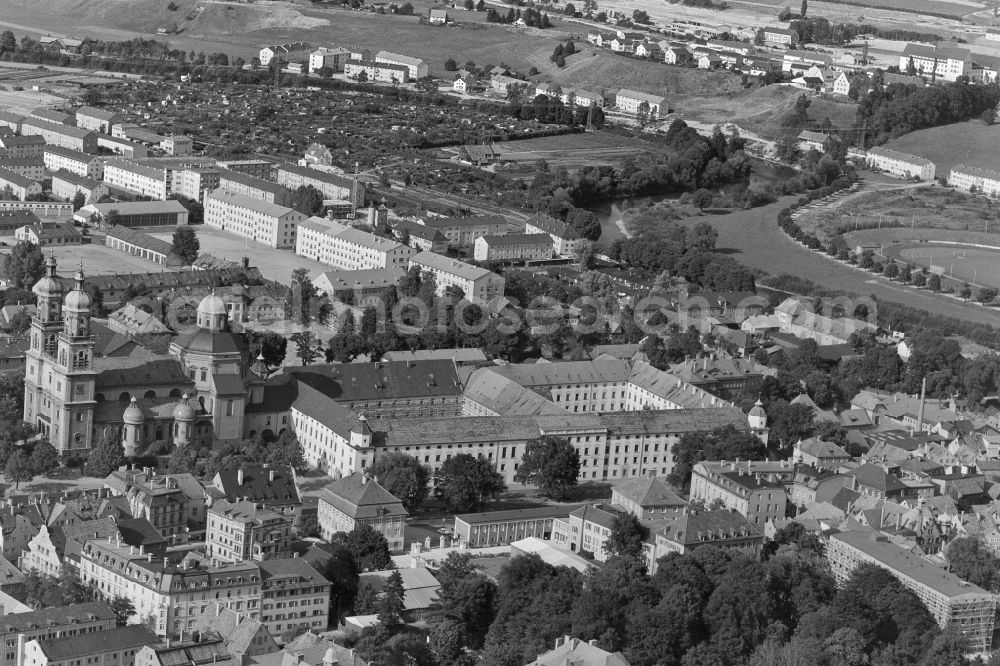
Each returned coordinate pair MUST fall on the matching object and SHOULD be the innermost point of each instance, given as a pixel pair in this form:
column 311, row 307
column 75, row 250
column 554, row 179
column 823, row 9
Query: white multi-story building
column 899, row 164
column 173, row 596
column 462, row 232
column 565, row 239
column 939, row 62
column 478, row 284
column 348, row 248
column 74, row 161
column 780, row 37
column 196, row 182
column 65, row 186
column 982, row 180
column 949, row 599
column 136, row 178
column 357, row 500
column 333, row 58
column 513, row 247
column 331, row 185
column 373, row 70
column 285, row 53
column 260, row 221
column 630, row 101
column 752, row 489
column 416, row 67
column 19, row 186
column 240, row 531
column 56, row 134
column 254, row 187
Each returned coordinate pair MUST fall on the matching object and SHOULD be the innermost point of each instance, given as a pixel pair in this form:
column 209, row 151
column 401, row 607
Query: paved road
column 755, row 240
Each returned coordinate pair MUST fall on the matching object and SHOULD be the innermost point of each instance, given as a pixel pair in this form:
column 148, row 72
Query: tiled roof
column 434, row 261
column 58, row 616
column 367, row 381
column 229, row 198
column 360, row 498
column 257, row 485
column 98, row 642
column 648, row 491
column 551, row 225
column 706, row 526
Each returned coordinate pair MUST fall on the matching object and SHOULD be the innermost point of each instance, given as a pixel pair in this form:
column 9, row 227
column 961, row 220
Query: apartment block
column 19, row 186
column 939, row 62
column 950, row 600
column 348, row 248
column 380, row 72
column 293, row 595
column 631, row 101
column 254, row 187
column 97, row 120
column 977, row 179
column 64, row 136
column 136, row 178
column 357, row 500
column 415, row 67
column 112, row 647
column 196, row 183
column 332, row 58
column 29, row 167
column 513, row 247
column 21, row 146
column 175, row 595
column 462, row 232
column 260, row 221
column 19, row 629
column 332, row 185
column 755, row 490
column 478, row 284
column 240, row 531
column 82, row 164
column 902, row 165
column 565, row 239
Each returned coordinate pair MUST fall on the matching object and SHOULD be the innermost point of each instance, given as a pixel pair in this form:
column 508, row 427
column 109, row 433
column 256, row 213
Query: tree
column 272, row 346
column 107, row 456
column 186, row 244
column 307, row 200
column 25, row 265
column 627, row 536
column 919, row 279
column 369, row 548
column 466, row 482
column 450, row 65
column 123, row 608
column 642, row 115
column 640, row 16
column 970, row 560
column 44, row 458
column 306, row 348
column 340, row 568
column 934, row 282
column 287, row 451
column 986, row 295
column 18, row 468
column 551, row 464
column 802, row 11
column 702, row 198
column 403, row 476
column 390, row 603
column 725, row 443
column 79, row 201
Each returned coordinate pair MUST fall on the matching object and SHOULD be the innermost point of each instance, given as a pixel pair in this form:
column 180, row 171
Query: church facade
column 194, row 394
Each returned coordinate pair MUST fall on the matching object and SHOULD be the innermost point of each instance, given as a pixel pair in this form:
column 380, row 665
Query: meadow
column 971, row 143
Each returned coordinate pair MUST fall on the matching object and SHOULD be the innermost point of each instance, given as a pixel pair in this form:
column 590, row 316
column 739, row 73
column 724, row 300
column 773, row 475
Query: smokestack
column 920, row 413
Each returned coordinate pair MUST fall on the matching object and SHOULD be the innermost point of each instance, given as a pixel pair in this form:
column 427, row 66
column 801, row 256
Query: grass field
column 978, row 267
column 273, row 264
column 23, row 101
column 577, row 150
column 929, row 208
column 931, row 7
column 971, row 143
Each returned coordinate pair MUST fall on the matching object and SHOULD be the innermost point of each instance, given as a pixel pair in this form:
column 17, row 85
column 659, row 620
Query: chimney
column 270, row 476
column 920, row 413
column 239, row 477
column 149, row 558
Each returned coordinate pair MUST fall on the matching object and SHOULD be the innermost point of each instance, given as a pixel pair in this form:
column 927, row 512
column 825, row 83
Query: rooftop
column 250, row 203
column 98, row 642
column 439, row 262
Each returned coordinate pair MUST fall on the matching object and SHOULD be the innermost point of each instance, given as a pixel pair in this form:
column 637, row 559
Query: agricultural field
column 971, row 143
column 930, row 208
column 24, row 101
column 955, row 10
column 574, row 151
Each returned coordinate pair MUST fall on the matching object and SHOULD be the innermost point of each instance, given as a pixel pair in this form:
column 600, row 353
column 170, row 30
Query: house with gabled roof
column 358, row 500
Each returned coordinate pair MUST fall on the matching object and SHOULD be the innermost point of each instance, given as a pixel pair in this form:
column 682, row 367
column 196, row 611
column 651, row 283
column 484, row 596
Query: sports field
column 971, row 143
column 979, row 267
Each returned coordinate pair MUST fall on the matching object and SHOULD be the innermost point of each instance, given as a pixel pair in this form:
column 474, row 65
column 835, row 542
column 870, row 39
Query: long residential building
column 513, row 247
column 333, row 186
column 196, row 182
column 478, row 284
column 348, row 248
column 12, row 145
column 260, row 221
column 66, row 185
column 565, row 239
column 462, row 232
column 949, row 599
column 978, row 179
column 136, row 178
column 65, row 136
column 29, row 167
column 940, row 62
column 254, row 187
column 112, row 647
column 380, row 72
column 19, row 186
column 416, row 68
column 98, row 120
column 173, row 596
column 902, row 165
column 82, row 164
column 19, row 629
column 632, row 101
column 293, row 595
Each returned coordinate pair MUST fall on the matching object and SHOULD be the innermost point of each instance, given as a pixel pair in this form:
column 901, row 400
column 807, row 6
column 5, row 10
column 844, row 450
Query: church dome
column 133, row 415
column 184, row 411
column 78, row 298
column 758, row 410
column 211, row 306
column 49, row 286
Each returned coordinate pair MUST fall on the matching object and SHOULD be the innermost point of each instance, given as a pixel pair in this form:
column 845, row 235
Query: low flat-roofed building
column 502, row 528
column 134, row 242
column 948, row 598
column 138, row 213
